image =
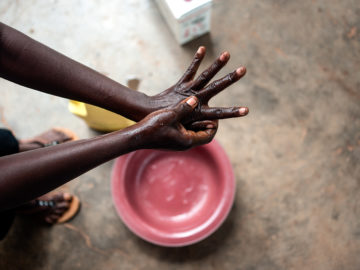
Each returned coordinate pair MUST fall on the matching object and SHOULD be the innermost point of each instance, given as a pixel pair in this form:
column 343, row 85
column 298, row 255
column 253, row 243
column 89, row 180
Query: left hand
column 199, row 87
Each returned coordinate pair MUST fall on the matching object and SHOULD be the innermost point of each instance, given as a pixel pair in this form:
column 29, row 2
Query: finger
column 223, row 113
column 219, row 85
column 194, row 66
column 201, row 125
column 211, row 71
column 200, row 137
column 185, row 107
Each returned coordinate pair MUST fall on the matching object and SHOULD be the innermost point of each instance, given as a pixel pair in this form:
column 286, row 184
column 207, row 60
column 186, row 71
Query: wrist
column 146, row 105
column 129, row 103
column 136, row 137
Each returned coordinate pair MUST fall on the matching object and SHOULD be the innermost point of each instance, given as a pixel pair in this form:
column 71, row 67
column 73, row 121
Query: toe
column 52, row 219
column 67, row 197
column 60, row 136
column 60, row 197
column 60, row 211
column 63, row 205
column 49, row 220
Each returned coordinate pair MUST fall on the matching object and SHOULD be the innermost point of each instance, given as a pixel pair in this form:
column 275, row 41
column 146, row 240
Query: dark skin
column 32, row 64
column 199, row 87
column 27, row 175
column 166, row 120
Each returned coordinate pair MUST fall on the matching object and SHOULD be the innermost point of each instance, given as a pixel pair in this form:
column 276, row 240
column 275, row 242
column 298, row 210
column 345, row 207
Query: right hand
column 163, row 129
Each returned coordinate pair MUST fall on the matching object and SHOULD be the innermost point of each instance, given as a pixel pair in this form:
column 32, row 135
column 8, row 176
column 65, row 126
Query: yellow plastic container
column 98, row 118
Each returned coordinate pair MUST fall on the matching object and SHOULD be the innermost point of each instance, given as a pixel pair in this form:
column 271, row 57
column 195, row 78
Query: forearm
column 27, row 175
column 32, row 64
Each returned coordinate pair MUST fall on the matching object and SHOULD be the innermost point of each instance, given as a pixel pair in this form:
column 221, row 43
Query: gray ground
column 296, row 156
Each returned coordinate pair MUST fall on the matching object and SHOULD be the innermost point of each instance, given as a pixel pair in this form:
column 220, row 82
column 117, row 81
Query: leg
column 52, row 209
column 8, row 145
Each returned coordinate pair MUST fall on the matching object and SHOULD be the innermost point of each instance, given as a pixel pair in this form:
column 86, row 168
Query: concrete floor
column 296, row 156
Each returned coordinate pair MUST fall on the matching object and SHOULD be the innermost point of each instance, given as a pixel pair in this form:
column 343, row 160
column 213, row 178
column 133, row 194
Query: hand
column 163, row 129
column 199, row 87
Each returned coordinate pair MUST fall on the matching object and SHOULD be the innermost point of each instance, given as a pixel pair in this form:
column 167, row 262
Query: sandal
column 51, row 137
column 72, row 211
column 53, row 209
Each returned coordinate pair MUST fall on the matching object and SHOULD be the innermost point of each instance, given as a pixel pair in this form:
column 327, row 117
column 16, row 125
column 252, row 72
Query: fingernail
column 192, row 101
column 224, row 56
column 209, row 126
column 240, row 70
column 243, row 111
column 200, row 50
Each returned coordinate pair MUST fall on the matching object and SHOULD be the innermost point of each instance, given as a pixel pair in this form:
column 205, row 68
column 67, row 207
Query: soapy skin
column 176, row 119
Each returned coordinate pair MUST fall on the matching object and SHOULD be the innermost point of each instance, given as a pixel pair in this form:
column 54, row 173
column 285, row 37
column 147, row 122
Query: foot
column 52, row 209
column 51, row 137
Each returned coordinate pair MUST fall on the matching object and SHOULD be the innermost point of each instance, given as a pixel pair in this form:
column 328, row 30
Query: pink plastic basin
column 173, row 198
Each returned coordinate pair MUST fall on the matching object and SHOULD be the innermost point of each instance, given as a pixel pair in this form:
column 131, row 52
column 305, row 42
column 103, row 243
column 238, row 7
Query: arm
column 29, row 63
column 26, row 175
column 32, row 64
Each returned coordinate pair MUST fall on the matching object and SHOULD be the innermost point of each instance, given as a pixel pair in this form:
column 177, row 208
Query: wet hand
column 164, row 129
column 203, row 90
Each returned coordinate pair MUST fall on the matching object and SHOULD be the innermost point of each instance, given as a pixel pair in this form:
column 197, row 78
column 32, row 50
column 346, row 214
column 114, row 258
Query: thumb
column 185, row 107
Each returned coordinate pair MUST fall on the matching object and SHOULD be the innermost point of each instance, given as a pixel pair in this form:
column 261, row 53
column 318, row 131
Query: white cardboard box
column 187, row 19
